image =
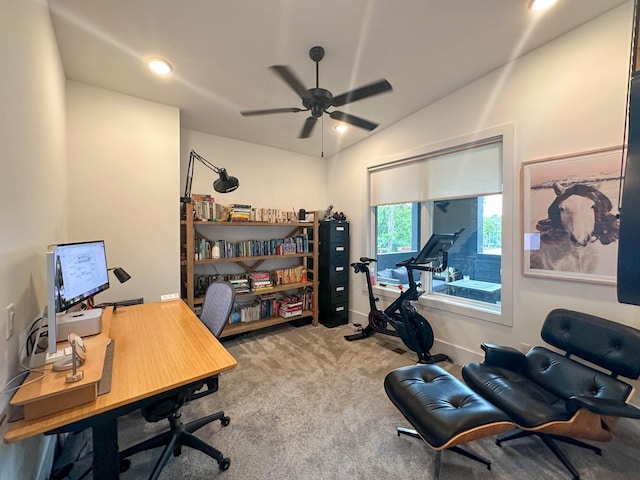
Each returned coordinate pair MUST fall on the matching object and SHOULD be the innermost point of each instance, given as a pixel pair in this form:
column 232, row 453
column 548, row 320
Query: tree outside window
column 394, row 225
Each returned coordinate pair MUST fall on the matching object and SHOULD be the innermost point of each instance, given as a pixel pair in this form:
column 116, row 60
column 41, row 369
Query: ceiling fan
column 318, row 100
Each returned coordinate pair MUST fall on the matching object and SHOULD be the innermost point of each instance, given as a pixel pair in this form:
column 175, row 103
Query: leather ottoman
column 444, row 412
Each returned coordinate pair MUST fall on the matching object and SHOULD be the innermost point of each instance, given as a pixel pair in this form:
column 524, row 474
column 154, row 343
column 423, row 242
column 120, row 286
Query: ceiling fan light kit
column 318, row 100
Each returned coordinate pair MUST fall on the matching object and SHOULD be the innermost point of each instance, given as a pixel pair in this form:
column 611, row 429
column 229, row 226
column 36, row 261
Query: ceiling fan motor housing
column 319, row 101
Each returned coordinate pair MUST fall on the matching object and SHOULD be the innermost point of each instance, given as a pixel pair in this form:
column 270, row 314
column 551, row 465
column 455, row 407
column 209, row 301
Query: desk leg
column 106, row 461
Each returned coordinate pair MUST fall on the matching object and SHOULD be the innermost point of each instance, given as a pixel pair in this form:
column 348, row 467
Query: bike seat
column 367, row 260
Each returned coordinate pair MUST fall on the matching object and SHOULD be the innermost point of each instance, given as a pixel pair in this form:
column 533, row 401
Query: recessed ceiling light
column 538, row 5
column 341, row 128
column 159, row 65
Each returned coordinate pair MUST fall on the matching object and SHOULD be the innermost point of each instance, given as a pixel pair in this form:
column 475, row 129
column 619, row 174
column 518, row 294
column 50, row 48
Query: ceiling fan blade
column 267, row 111
column 353, row 120
column 286, row 74
column 374, row 88
column 307, row 127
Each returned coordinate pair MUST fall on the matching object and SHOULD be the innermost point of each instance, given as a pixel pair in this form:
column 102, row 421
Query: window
column 442, row 192
column 397, row 238
column 490, row 217
column 474, row 266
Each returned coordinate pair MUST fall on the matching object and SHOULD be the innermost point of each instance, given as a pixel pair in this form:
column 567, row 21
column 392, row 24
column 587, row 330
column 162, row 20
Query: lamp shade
column 120, row 274
column 225, row 183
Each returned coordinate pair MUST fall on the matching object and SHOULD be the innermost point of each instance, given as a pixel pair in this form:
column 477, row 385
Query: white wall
column 32, row 190
column 124, row 171
column 269, row 178
column 567, row 96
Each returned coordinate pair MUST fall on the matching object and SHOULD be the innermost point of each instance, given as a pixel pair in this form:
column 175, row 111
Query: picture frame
column 570, row 226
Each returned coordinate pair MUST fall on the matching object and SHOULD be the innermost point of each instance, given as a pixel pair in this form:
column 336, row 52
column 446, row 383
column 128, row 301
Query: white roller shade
column 476, row 170
column 397, row 184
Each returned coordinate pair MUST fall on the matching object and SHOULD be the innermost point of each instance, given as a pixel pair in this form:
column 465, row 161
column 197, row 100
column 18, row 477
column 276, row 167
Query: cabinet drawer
column 334, row 231
column 334, row 293
column 335, row 274
column 335, row 254
column 334, row 315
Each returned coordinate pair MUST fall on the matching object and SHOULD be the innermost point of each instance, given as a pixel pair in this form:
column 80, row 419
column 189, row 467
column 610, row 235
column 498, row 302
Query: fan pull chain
column 322, row 141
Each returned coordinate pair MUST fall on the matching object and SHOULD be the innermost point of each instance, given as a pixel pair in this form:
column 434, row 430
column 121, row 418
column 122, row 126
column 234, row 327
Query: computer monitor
column 75, row 272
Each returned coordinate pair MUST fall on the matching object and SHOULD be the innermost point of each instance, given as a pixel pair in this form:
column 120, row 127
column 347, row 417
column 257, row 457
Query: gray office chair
column 217, row 306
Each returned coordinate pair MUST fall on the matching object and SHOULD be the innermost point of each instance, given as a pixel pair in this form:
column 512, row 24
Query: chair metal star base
column 550, row 441
column 178, row 435
column 459, row 449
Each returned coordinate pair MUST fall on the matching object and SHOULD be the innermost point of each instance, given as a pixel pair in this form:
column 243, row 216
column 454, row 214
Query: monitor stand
column 38, row 360
column 83, row 323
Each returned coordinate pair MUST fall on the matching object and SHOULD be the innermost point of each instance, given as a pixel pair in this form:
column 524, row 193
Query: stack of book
column 240, row 212
column 240, row 285
column 290, row 307
column 260, row 280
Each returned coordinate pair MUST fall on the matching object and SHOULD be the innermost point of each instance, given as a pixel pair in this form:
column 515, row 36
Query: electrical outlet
column 169, row 296
column 524, row 348
column 11, row 317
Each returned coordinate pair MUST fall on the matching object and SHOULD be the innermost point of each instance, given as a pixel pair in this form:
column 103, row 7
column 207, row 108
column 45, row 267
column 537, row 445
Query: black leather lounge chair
column 558, row 396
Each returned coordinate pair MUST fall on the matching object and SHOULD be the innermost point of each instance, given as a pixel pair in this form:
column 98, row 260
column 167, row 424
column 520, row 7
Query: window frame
column 447, row 303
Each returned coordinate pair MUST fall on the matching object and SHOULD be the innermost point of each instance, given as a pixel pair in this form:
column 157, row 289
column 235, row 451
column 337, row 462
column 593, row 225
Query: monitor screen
column 80, row 272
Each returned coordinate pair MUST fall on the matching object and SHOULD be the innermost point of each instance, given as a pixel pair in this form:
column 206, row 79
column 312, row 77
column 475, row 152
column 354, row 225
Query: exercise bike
column 401, row 319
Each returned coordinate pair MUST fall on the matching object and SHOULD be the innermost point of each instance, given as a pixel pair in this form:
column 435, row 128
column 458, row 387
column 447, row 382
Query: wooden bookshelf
column 191, row 228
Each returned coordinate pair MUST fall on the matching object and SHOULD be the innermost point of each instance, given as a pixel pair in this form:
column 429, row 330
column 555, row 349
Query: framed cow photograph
column 569, row 217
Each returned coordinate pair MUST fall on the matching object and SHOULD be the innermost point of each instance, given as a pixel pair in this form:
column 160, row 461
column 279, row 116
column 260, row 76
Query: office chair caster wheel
column 177, row 451
column 224, row 464
column 225, row 421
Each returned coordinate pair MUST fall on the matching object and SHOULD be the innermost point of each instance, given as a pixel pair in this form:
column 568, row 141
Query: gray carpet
column 306, row 404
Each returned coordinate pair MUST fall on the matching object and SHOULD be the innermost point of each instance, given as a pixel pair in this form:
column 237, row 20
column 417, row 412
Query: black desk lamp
column 223, row 184
column 122, row 277
column 120, row 274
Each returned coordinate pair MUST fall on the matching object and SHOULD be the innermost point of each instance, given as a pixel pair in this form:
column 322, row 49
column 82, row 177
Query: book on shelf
column 289, row 314
column 291, row 306
column 204, row 207
column 240, row 212
column 260, row 280
column 204, row 248
column 284, row 276
column 240, row 285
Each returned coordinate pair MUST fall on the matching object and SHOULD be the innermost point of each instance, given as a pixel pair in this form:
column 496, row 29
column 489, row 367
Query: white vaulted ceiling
column 221, row 51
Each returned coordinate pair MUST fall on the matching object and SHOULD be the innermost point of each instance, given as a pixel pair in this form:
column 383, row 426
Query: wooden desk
column 158, row 347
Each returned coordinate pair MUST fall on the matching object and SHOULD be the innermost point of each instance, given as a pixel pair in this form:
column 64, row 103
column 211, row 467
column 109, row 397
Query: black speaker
column 629, row 243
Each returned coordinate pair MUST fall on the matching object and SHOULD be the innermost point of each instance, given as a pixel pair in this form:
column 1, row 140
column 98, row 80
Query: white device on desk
column 77, row 354
column 83, row 322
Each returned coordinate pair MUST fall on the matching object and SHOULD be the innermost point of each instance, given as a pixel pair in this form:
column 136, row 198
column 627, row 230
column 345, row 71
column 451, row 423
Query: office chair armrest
column 503, row 357
column 210, row 385
column 604, row 406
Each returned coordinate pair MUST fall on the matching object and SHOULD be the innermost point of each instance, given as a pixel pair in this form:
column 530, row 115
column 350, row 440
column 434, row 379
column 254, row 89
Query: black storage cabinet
column 333, row 287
